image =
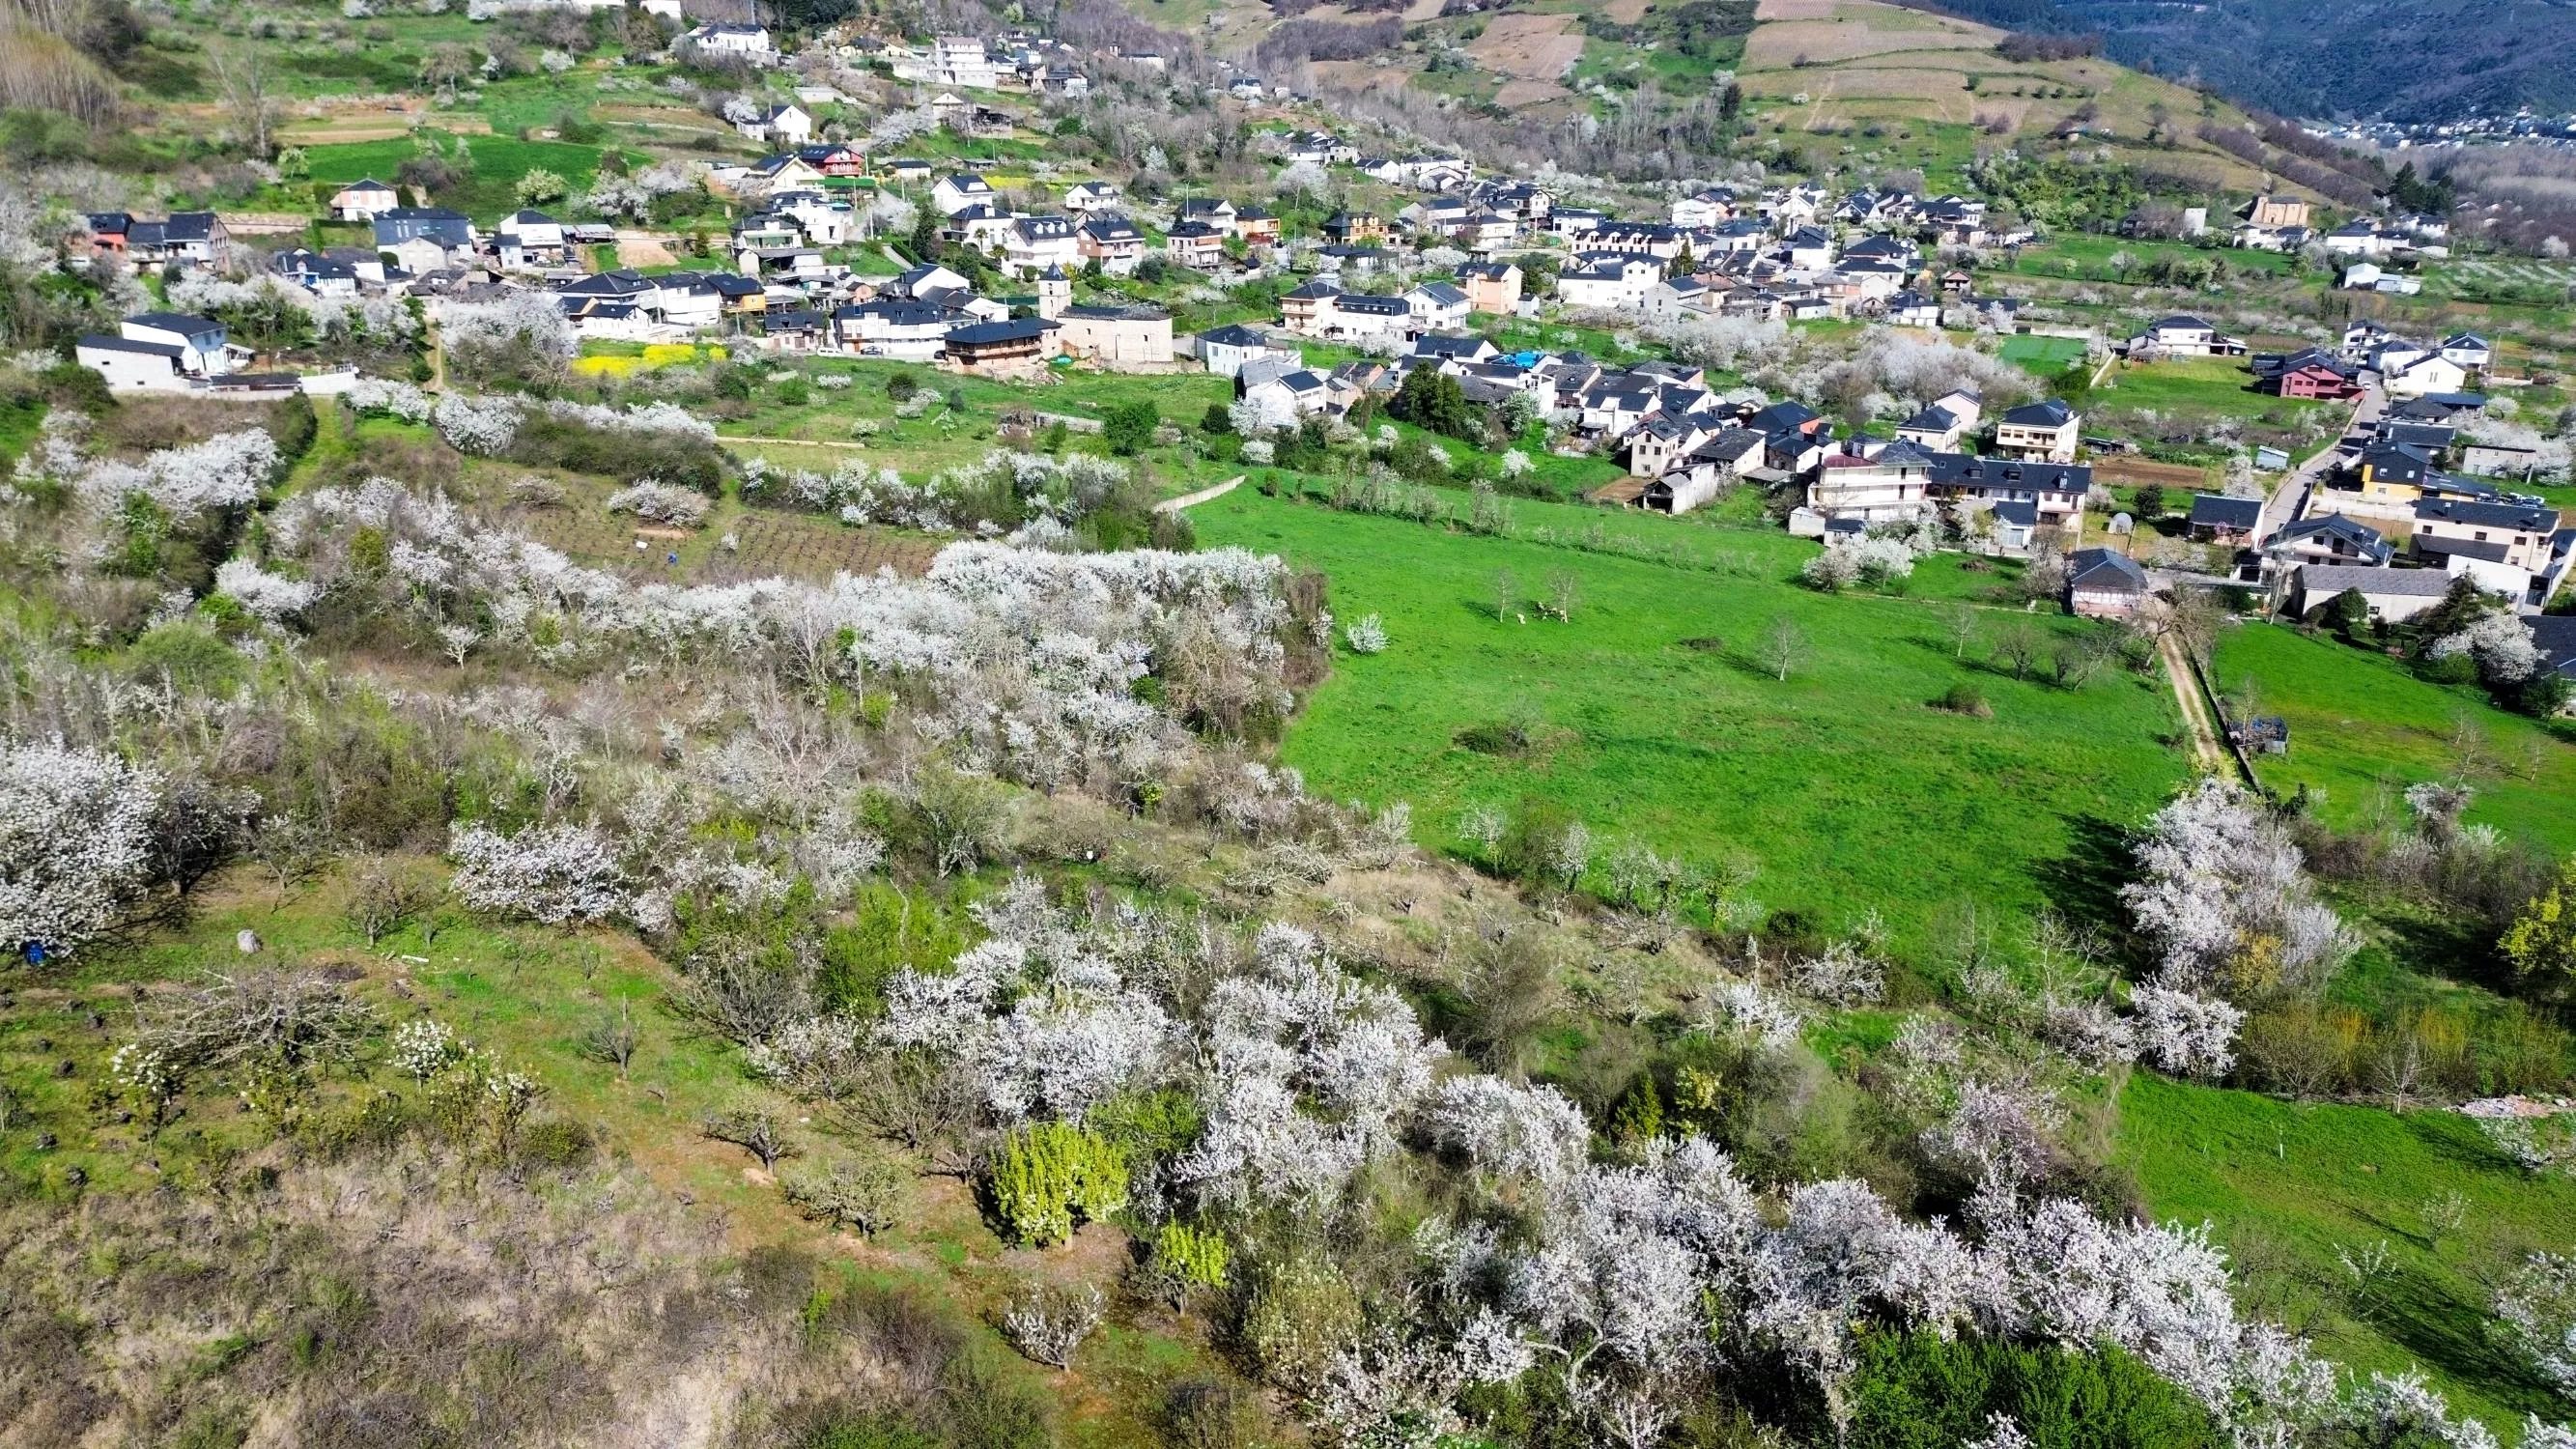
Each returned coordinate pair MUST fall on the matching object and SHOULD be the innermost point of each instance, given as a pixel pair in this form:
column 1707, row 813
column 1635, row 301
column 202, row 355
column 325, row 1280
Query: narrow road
column 2208, row 752
column 2290, row 497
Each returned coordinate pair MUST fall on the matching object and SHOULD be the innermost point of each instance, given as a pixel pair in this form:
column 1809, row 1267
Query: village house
column 1226, row 349
column 1891, row 485
column 1116, row 337
column 191, row 238
column 2391, row 596
column 2330, row 539
column 362, row 200
column 1354, row 228
column 131, row 366
column 2040, row 432
column 2217, row 518
column 1194, row 244
column 1437, row 305
column 1111, row 240
column 1608, row 281
column 2103, row 583
column 895, row 327
column 1940, row 427
column 2515, row 535
column 2182, row 335
column 204, row 348
column 2054, row 491
column 530, row 239
column 961, row 192
column 2274, row 210
column 786, row 125
column 1256, row 226
column 1013, row 348
column 1032, row 244
column 1085, row 197
column 749, row 41
column 1491, row 287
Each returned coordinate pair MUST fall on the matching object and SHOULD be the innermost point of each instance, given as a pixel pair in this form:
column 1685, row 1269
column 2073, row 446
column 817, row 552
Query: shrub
column 1965, row 698
column 1303, row 1313
column 1047, row 1174
column 859, row 1194
column 1918, row 1391
column 1129, row 427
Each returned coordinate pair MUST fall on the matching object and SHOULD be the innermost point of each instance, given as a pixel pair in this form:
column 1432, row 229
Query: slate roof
column 2217, row 510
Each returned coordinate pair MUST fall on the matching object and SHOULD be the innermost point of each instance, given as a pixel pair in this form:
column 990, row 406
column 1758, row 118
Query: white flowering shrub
column 1849, row 558
column 550, row 873
column 225, row 471
column 2499, row 643
column 1366, row 635
column 424, row 1047
column 269, row 597
column 1258, row 452
column 2222, row 882
column 2535, row 1317
column 378, row 397
column 1741, row 1008
column 75, row 845
column 661, row 503
column 524, row 334
column 477, row 426
column 1531, row 1133
column 2188, row 1035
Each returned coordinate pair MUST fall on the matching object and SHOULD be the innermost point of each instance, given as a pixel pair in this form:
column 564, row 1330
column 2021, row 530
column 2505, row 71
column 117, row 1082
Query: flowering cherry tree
column 75, row 844
column 550, row 873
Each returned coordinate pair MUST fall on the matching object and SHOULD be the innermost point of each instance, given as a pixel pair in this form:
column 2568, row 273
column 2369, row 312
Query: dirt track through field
column 1533, row 50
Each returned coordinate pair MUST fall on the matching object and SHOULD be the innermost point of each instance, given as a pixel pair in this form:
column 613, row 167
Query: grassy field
column 2044, row 356
column 499, row 162
column 2179, row 400
column 2287, row 1186
column 2362, row 729
column 1852, row 792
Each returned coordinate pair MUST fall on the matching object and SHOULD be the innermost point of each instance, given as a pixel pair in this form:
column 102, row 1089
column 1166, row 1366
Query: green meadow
column 1659, row 719
column 2292, row 1189
column 2362, row 729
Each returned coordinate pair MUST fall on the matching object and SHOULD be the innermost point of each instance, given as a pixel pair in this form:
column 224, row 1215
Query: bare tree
column 291, row 847
column 1563, row 588
column 2021, row 646
column 1783, row 648
column 930, row 1106
column 2194, row 622
column 249, row 100
column 612, row 1039
column 1507, row 592
column 1960, row 621
column 445, row 66
column 385, row 897
column 755, row 1131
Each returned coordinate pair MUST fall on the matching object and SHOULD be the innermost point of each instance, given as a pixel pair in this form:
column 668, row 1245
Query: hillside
column 1898, row 88
column 2358, row 58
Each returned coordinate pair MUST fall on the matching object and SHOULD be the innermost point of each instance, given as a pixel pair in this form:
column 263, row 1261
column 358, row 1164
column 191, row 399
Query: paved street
column 2287, row 501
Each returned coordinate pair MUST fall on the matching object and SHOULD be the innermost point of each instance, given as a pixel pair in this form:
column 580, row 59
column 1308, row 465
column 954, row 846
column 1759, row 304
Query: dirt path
column 2208, row 755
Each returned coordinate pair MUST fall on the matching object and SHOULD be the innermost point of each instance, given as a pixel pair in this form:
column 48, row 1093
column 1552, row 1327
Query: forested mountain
column 2402, row 59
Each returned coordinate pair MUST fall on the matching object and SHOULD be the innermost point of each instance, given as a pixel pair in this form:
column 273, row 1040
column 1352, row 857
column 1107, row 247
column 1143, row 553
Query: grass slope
column 2362, row 729
column 1851, row 792
column 2288, row 1186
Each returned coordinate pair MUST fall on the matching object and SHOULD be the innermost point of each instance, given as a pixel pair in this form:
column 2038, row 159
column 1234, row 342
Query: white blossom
column 549, row 873
column 75, row 844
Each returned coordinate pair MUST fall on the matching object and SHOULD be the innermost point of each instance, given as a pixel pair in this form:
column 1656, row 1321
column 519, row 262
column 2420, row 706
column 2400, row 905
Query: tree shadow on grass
column 2084, row 884
column 2429, row 1318
column 2462, row 950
